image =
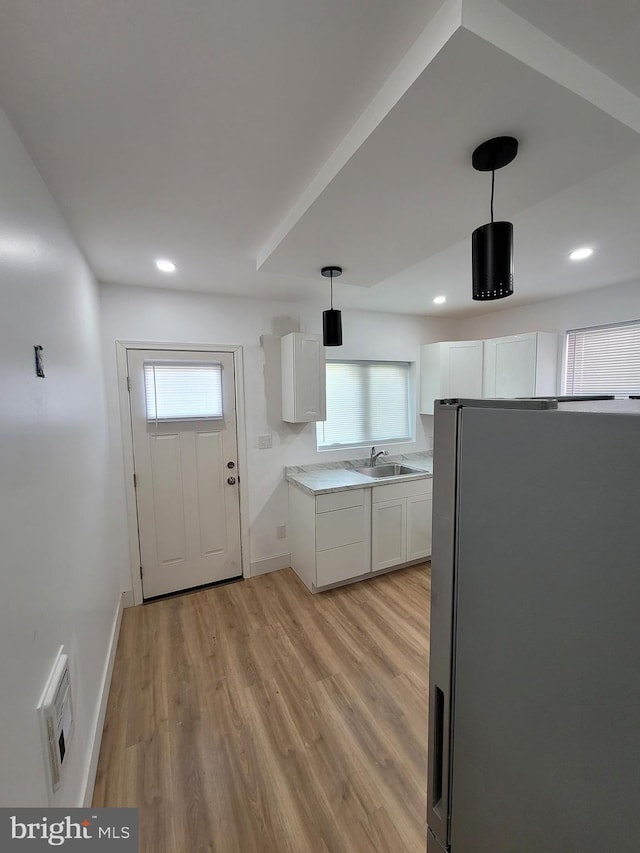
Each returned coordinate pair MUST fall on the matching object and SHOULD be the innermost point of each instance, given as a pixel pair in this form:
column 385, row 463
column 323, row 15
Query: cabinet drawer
column 340, row 527
column 391, row 491
column 339, row 564
column 339, row 500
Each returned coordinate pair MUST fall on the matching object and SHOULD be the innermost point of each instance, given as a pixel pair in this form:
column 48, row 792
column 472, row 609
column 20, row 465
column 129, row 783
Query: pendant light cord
column 493, row 177
column 332, row 290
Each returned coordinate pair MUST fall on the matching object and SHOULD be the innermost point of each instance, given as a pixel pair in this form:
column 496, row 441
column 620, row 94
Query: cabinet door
column 463, row 369
column 510, row 366
column 388, row 534
column 419, row 526
column 430, row 376
column 449, row 369
column 303, row 378
column 310, row 379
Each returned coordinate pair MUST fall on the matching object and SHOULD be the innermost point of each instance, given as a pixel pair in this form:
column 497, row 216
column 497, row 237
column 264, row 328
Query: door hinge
column 135, row 480
column 128, row 385
column 140, row 572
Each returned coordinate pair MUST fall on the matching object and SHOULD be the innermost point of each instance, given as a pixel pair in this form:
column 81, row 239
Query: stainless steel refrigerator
column 534, row 708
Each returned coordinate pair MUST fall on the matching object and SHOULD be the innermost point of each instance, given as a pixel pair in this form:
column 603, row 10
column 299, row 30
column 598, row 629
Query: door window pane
column 183, row 391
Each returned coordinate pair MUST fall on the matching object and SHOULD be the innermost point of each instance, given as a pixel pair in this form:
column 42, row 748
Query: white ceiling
column 254, row 141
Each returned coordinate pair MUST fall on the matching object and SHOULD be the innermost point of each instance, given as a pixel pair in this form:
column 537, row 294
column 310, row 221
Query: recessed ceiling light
column 439, row 300
column 165, row 265
column 581, row 254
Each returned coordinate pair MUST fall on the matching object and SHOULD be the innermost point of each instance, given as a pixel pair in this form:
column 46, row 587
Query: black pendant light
column 331, row 319
column 492, row 244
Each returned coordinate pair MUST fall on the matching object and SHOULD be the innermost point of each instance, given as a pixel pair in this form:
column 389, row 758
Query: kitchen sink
column 381, row 471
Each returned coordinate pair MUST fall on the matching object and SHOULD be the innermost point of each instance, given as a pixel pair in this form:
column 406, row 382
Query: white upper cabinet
column 303, row 378
column 449, row 369
column 521, row 365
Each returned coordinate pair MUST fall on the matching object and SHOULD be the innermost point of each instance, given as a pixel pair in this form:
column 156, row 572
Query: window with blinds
column 175, row 392
column 367, row 402
column 604, row 360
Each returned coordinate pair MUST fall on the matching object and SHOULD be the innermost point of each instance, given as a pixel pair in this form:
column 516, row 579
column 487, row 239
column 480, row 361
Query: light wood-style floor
column 257, row 718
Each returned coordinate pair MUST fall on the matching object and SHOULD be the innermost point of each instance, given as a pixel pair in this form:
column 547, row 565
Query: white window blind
column 604, row 360
column 183, row 391
column 367, row 402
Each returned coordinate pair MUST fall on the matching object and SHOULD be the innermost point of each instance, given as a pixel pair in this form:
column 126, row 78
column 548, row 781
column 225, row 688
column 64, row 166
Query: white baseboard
column 94, row 753
column 271, row 564
column 127, row 598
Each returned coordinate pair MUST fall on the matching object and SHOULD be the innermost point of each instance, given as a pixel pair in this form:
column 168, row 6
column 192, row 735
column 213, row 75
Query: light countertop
column 322, row 479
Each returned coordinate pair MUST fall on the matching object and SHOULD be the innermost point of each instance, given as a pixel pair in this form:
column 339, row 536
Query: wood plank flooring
column 257, row 718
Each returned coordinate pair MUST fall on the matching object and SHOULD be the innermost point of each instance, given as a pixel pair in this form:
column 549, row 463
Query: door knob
column 231, row 481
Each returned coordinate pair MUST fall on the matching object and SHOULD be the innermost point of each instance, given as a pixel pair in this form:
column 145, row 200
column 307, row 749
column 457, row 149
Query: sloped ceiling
column 255, row 142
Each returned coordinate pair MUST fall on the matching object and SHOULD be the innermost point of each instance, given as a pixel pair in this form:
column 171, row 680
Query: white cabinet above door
column 521, row 365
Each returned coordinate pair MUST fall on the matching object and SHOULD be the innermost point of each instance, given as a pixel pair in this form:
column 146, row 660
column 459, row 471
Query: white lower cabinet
column 348, row 535
column 400, row 523
column 330, row 535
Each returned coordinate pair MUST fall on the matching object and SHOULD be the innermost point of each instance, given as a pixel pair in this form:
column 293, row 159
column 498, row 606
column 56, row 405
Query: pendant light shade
column 332, row 328
column 332, row 318
column 492, row 260
column 492, row 244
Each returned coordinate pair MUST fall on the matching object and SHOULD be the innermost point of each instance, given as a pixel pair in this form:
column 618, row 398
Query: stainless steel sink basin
column 381, row 471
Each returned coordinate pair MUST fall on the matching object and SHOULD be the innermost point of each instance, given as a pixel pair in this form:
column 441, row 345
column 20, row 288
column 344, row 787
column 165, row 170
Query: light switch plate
column 265, row 442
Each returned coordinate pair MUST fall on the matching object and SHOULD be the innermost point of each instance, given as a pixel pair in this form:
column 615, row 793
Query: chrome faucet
column 373, row 456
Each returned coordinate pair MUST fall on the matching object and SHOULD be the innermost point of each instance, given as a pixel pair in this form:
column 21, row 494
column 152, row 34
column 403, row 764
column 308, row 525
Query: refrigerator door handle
column 439, row 757
column 437, row 749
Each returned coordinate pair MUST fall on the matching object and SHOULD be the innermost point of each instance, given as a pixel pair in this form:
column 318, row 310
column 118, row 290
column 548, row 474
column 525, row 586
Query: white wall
column 616, row 304
column 167, row 316
column 57, row 585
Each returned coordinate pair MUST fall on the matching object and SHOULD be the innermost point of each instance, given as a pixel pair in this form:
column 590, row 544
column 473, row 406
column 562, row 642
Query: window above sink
column 368, row 402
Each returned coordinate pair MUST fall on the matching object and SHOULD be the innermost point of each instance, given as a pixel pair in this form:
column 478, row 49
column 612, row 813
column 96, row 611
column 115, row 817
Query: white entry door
column 186, row 468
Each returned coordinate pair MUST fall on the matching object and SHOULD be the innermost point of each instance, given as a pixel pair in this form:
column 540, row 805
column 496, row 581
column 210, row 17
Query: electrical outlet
column 265, row 442
column 281, row 531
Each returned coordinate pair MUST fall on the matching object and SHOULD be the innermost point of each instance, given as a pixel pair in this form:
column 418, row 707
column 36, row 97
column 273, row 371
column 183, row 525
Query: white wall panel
column 616, row 304
column 59, row 582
